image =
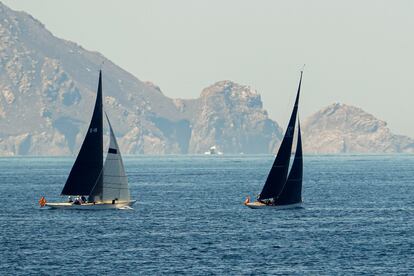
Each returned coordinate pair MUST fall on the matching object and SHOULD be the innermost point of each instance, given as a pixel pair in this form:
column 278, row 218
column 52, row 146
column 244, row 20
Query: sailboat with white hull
column 283, row 189
column 104, row 184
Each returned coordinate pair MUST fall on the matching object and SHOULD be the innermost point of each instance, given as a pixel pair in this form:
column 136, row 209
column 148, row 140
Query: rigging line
column 96, row 181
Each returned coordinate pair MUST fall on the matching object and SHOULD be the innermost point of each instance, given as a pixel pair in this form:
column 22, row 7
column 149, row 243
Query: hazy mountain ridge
column 341, row 128
column 48, row 87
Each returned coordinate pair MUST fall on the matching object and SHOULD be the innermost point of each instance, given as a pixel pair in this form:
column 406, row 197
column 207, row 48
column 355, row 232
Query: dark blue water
column 190, row 219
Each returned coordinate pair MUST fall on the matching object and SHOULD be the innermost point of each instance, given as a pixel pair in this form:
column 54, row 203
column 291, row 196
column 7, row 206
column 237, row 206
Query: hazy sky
column 356, row 52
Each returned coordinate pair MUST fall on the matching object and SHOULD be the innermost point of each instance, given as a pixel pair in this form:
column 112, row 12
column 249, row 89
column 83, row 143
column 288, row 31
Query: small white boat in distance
column 213, row 150
column 104, row 185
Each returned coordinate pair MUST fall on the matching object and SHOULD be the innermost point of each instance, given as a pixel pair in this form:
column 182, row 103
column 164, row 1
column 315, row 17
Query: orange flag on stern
column 42, row 201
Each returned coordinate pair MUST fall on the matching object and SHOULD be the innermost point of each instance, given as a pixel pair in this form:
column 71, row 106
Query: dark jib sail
column 292, row 191
column 85, row 178
column 278, row 173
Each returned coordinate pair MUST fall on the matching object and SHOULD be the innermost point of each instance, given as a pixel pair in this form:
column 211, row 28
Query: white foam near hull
column 90, row 206
column 259, row 205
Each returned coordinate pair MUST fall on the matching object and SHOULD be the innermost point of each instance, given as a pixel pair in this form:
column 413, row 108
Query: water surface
column 190, row 219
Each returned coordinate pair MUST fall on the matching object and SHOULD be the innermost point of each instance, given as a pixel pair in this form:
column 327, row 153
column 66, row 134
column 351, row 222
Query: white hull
column 259, row 205
column 90, row 206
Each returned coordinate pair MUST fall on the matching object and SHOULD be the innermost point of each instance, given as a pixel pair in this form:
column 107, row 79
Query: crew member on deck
column 77, row 201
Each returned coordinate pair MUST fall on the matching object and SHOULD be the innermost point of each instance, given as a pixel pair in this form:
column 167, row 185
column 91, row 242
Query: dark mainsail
column 292, row 191
column 85, row 178
column 278, row 173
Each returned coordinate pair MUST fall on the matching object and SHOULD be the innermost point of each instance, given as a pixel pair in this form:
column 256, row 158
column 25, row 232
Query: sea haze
column 190, row 219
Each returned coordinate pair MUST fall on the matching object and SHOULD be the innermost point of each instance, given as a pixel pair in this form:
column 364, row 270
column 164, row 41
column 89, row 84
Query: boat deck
column 90, row 206
column 259, row 205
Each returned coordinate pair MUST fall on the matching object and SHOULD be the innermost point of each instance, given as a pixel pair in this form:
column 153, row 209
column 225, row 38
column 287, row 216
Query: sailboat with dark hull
column 283, row 189
column 105, row 185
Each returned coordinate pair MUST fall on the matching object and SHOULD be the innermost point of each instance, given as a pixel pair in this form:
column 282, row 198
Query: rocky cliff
column 232, row 117
column 48, row 87
column 341, row 128
column 47, row 91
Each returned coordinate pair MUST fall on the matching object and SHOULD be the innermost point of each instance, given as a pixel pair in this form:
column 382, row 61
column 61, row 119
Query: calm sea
column 190, row 219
